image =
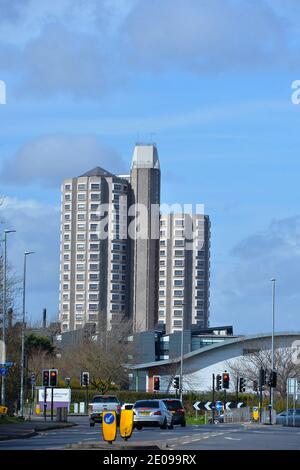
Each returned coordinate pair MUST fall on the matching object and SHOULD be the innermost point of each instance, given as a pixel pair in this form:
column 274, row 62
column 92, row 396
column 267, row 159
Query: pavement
column 193, row 437
column 27, row 429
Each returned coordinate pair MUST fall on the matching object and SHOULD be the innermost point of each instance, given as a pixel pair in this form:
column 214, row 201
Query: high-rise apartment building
column 105, row 275
column 94, row 252
column 184, row 267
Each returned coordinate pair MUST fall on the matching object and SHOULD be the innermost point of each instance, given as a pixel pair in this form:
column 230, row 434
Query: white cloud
column 50, row 160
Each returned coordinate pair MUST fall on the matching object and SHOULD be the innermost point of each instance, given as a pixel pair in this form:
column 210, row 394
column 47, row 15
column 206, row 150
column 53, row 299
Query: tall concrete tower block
column 145, row 194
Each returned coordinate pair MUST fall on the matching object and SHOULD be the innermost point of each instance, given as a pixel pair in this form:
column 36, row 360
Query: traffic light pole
column 260, row 394
column 213, row 399
column 237, row 389
column 52, row 403
column 86, row 398
column 45, row 404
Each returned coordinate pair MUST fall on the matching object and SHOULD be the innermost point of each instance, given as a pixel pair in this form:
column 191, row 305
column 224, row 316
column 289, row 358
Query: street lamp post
column 23, row 335
column 4, row 307
column 181, row 351
column 273, row 280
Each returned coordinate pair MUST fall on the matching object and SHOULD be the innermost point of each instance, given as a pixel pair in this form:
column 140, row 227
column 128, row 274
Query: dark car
column 289, row 419
column 178, row 412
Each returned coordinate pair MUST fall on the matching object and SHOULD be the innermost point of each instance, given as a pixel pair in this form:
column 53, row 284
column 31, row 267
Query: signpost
column 126, row 424
column 292, row 389
column 109, row 426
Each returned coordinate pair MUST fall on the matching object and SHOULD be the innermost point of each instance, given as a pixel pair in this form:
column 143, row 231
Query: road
column 229, row 437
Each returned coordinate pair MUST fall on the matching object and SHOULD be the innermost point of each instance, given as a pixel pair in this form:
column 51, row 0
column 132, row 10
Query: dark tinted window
column 146, row 404
column 173, row 405
column 105, row 399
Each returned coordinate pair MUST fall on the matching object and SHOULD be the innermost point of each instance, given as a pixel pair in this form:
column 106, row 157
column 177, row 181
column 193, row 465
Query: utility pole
column 273, row 334
column 23, row 335
column 181, row 351
column 213, row 399
column 6, row 232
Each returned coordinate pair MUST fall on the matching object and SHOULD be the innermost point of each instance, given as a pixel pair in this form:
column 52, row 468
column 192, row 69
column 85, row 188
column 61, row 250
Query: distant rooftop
column 97, row 171
column 145, row 156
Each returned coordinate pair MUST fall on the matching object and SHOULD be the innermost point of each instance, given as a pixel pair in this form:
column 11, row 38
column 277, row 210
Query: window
column 162, row 272
column 116, row 247
column 162, row 242
column 115, row 296
column 67, row 257
column 178, row 252
column 94, row 207
column 177, row 313
column 93, row 306
column 162, row 253
column 81, row 207
column 93, row 296
column 79, row 296
column 93, row 237
column 94, row 266
column 80, row 266
column 67, row 197
column 65, row 296
column 93, row 227
column 67, row 216
column 178, row 282
column 66, row 277
column 115, row 267
column 177, row 302
column 67, row 207
column 115, row 287
column 81, row 216
column 179, row 242
column 66, row 246
column 178, row 293
column 93, row 286
column 178, row 272
column 65, row 306
column 80, row 257
column 80, row 277
column 79, row 307
column 67, row 226
column 179, row 223
column 81, row 236
column 67, row 187
column 178, row 262
column 95, row 197
column 81, row 187
column 161, row 293
column 177, row 322
column 94, row 256
column 162, row 263
column 117, row 187
column 80, row 246
column 81, row 227
column 79, row 286
column 93, row 277
column 66, row 267
column 95, row 186
column 94, row 246
column 162, row 283
column 115, row 277
column 115, row 307
column 66, row 286
column 81, row 197
column 67, row 237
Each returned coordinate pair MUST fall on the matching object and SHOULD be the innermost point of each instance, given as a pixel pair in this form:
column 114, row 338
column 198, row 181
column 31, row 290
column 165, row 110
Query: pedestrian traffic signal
column 242, row 385
column 85, row 379
column 262, row 377
column 218, row 382
column 45, row 374
column 53, row 377
column 272, row 379
column 226, row 380
column 176, row 382
column 156, row 383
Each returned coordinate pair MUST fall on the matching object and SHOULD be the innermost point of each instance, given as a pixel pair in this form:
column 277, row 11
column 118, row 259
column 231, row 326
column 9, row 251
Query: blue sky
column 209, row 82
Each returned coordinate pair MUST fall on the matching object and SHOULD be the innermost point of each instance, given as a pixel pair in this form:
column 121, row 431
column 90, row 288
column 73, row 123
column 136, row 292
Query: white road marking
column 232, row 439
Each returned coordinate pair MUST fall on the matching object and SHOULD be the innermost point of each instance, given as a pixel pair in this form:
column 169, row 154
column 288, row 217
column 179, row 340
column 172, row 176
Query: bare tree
column 249, row 365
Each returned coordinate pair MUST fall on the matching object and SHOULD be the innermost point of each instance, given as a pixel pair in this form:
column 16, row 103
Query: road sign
column 3, row 410
column 126, row 424
column 3, row 371
column 7, row 364
column 219, row 406
column 109, row 426
column 196, row 405
column 32, row 378
column 228, row 405
column 240, row 405
column 207, row 406
column 292, row 386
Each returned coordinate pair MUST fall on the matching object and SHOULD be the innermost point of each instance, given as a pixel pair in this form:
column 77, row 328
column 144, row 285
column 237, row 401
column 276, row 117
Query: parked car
column 178, row 412
column 152, row 413
column 127, row 406
column 102, row 403
column 288, row 420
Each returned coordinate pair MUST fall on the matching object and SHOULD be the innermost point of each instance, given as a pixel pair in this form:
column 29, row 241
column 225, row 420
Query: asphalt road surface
column 210, row 437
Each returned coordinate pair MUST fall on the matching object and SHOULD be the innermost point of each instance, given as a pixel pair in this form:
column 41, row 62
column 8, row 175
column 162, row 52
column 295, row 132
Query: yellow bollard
column 37, row 409
column 109, row 426
column 126, row 424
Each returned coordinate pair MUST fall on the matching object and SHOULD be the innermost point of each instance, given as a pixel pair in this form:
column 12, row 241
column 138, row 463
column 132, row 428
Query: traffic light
column 255, row 385
column 45, row 378
column 262, row 377
column 53, row 377
column 272, row 379
column 156, row 383
column 218, row 382
column 226, row 380
column 242, row 385
column 176, row 382
column 68, row 381
column 85, row 379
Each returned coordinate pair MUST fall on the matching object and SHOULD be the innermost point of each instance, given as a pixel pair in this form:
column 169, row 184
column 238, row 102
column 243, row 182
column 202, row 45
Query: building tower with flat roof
column 145, row 195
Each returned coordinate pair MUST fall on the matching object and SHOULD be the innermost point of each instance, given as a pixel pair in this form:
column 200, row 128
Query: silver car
column 152, row 413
